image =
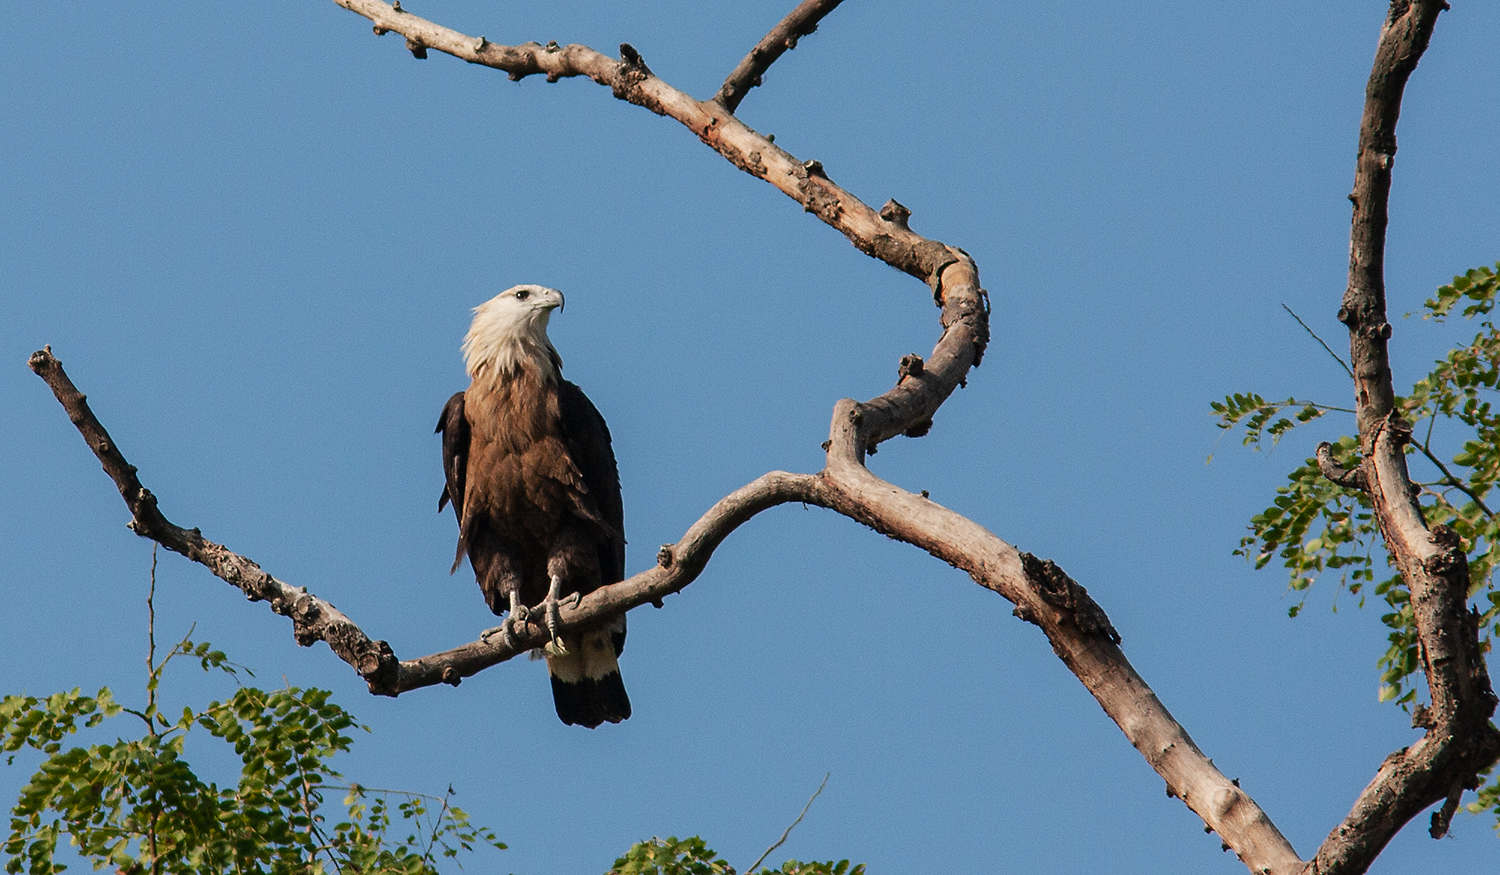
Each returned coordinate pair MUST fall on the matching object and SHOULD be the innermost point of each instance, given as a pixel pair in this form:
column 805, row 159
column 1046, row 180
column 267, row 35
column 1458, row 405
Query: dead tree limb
column 798, row 23
column 314, row 619
column 1460, row 741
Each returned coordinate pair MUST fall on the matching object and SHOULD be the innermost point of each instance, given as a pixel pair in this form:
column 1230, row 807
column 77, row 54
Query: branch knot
column 896, row 214
column 632, row 72
column 1450, row 546
column 1062, row 592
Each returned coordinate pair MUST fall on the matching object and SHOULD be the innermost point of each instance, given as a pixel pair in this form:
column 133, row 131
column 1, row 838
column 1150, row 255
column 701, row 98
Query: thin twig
column 434, row 824
column 151, row 671
column 782, row 840
column 153, row 675
column 1451, row 480
column 308, row 791
column 1315, row 336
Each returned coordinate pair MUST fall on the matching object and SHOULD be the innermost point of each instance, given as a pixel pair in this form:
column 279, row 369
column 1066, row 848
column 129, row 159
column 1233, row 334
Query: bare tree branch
column 799, row 23
column 1460, row 742
column 677, row 565
column 313, row 619
column 631, row 80
column 1077, row 628
column 750, row 870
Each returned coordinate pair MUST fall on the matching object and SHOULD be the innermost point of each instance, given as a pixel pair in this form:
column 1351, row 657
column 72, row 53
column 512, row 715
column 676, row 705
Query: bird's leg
column 549, row 609
column 517, row 617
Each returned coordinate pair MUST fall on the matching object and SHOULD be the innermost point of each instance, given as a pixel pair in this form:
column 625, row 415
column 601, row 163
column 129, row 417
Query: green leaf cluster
column 691, row 856
column 1259, row 417
column 135, row 805
column 1314, row 525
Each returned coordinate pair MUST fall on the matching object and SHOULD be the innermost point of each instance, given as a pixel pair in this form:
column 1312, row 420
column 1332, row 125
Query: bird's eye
column 522, row 295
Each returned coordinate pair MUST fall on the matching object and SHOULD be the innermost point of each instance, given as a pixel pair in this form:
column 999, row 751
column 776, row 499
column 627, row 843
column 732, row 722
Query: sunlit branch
column 1460, row 741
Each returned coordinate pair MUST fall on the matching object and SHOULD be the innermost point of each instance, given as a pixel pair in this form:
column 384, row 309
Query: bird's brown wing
column 454, row 428
column 587, row 437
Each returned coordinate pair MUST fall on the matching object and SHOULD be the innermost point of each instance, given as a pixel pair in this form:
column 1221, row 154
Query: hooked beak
column 548, row 300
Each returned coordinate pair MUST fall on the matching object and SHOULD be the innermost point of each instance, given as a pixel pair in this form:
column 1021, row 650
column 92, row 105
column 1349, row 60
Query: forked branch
column 1460, row 742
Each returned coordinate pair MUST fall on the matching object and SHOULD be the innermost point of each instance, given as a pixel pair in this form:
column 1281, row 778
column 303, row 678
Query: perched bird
column 532, row 477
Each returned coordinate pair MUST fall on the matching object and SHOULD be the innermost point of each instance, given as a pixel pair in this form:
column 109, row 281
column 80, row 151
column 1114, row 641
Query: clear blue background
column 253, row 233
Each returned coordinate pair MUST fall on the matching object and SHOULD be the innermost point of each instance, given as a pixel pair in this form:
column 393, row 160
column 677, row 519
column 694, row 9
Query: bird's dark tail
column 586, row 684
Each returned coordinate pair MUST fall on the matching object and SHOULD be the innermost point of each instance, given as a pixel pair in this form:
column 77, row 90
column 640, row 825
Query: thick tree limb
column 1078, row 629
column 799, row 23
column 1460, row 741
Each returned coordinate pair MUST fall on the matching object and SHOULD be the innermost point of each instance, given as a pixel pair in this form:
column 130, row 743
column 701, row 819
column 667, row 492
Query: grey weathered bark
column 1078, row 630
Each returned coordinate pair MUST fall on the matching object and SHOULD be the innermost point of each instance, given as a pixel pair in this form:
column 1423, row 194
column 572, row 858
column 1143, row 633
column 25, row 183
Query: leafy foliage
column 690, row 856
column 1314, row 525
column 1254, row 413
column 136, row 805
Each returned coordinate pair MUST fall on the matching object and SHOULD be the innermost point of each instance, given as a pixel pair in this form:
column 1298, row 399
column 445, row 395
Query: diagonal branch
column 677, row 565
column 883, row 235
column 1077, row 628
column 314, row 619
column 800, row 22
column 1460, row 741
column 1448, row 478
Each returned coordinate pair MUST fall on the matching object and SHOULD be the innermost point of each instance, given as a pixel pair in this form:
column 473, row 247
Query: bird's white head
column 511, row 328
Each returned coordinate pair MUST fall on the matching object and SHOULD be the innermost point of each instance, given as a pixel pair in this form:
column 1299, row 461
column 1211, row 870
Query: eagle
column 531, row 474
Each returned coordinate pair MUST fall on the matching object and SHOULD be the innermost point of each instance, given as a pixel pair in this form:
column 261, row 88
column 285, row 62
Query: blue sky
column 253, row 233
